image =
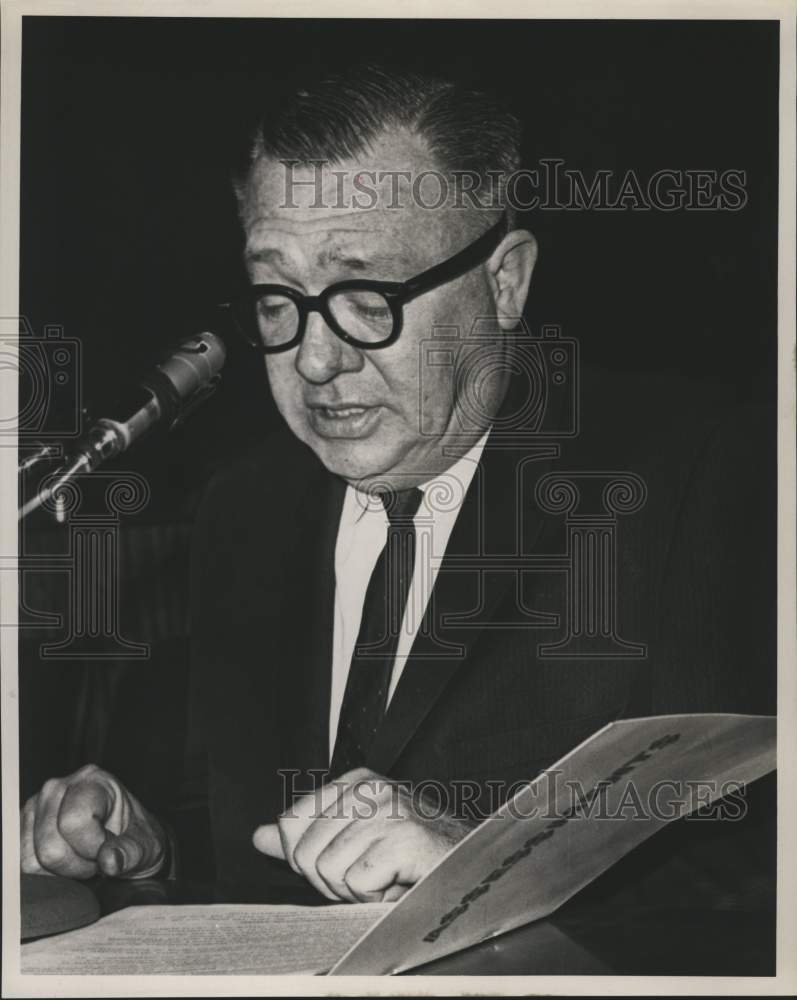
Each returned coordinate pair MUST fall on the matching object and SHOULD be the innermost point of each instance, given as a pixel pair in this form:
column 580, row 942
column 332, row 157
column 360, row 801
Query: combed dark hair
column 338, row 116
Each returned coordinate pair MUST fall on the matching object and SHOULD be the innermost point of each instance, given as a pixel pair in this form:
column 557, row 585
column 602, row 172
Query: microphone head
column 195, row 363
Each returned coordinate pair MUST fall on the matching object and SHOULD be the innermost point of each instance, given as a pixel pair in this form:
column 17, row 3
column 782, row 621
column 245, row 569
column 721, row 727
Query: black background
column 129, row 231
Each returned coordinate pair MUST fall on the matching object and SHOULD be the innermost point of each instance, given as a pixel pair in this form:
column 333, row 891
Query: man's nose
column 322, row 355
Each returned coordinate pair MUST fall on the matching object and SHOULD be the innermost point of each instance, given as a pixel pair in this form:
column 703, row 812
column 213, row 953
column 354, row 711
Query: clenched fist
column 88, row 823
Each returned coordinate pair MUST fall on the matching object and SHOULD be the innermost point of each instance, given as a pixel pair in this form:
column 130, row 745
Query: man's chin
column 360, row 463
column 379, row 460
column 371, row 469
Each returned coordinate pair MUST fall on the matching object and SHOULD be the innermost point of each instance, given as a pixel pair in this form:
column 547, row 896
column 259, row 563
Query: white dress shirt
column 362, row 533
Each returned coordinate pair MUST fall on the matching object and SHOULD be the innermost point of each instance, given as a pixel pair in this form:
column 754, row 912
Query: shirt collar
column 445, row 491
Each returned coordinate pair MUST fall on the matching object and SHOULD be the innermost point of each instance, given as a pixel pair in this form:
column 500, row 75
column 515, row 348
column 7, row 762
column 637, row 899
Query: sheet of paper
column 210, row 940
column 537, row 851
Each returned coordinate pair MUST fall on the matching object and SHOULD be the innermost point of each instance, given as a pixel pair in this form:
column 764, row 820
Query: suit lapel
column 464, row 597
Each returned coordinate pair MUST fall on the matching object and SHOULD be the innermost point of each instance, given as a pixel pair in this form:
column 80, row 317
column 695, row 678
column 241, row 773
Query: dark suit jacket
column 695, row 586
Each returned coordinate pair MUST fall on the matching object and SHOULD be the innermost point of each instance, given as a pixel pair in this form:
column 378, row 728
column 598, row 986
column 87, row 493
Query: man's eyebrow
column 334, row 256
column 264, row 256
column 359, row 262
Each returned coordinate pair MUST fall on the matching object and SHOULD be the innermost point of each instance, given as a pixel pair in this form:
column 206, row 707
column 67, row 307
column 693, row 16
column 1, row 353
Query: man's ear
column 509, row 270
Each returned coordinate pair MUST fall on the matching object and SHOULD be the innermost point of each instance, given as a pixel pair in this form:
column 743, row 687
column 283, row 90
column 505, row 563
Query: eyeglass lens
column 362, row 314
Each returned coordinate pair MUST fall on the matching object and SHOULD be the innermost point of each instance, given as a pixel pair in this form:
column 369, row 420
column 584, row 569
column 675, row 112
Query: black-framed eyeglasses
column 365, row 313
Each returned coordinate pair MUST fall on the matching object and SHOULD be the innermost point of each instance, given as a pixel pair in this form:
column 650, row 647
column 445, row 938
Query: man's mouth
column 342, row 412
column 346, row 420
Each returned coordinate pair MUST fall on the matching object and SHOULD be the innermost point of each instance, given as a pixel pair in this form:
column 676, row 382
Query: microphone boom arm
column 177, row 387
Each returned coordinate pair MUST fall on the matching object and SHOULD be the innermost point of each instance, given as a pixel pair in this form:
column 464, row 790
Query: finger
column 342, row 852
column 337, row 838
column 28, row 861
column 394, row 892
column 303, row 813
column 142, row 839
column 268, row 841
column 120, row 855
column 52, row 851
column 82, row 815
column 375, row 873
column 328, row 880
column 314, row 844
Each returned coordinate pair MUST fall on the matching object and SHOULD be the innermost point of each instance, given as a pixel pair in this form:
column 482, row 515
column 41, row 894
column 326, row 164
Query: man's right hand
column 88, row 823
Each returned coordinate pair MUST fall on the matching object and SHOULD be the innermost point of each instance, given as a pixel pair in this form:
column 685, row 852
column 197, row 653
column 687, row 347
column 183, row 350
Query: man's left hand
column 361, row 838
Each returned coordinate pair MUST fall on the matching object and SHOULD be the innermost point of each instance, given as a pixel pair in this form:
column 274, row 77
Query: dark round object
column 52, row 905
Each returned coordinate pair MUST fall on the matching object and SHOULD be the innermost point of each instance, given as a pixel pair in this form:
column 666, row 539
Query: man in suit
column 387, row 634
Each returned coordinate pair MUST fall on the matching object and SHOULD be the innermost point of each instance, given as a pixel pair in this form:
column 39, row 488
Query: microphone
column 167, row 395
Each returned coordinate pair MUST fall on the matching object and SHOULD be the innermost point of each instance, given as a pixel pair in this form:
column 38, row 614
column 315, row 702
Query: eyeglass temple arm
column 449, row 269
column 460, row 263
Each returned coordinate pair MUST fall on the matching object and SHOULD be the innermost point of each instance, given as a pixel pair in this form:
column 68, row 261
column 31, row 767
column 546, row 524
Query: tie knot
column 401, row 506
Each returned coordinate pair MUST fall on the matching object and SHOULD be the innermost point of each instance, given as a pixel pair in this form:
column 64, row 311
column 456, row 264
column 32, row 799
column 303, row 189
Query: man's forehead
column 329, row 229
column 331, row 233
column 343, row 195
column 331, row 239
column 391, row 159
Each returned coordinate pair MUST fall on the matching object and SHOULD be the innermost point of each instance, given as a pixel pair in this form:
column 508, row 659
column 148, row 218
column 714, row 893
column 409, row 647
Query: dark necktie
column 365, row 697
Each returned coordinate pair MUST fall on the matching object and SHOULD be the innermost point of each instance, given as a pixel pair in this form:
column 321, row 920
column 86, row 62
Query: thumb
column 268, row 841
column 392, row 893
column 119, row 855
